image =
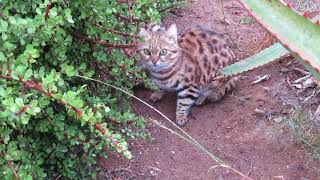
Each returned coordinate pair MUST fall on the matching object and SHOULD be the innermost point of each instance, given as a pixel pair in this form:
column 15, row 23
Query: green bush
column 52, row 123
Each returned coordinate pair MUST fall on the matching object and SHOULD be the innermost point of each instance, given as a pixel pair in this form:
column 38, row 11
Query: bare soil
column 255, row 145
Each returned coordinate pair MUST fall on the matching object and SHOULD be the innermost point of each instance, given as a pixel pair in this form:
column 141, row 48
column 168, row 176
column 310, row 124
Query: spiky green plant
column 297, row 34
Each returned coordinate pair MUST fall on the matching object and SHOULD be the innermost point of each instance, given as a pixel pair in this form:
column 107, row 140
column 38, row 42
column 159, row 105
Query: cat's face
column 159, row 49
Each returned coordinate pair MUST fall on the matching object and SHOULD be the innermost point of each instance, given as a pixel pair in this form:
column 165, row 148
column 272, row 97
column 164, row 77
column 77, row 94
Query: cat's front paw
column 156, row 96
column 181, row 121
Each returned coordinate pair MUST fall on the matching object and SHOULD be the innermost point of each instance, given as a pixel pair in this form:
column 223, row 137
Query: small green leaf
column 70, row 71
column 43, row 102
column 38, row 11
column 4, row 36
column 28, row 74
column 70, row 20
column 31, row 30
column 21, row 69
column 3, row 26
column 2, row 57
column 36, row 110
column 19, row 102
column 28, row 177
column 8, row 45
column 24, row 120
column 2, row 92
column 53, row 12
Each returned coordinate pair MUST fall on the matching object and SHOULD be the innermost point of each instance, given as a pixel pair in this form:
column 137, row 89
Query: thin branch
column 123, row 17
column 47, row 10
column 112, row 45
column 168, row 8
column 114, row 31
column 102, row 42
column 99, row 128
column 121, row 1
column 129, row 12
column 8, row 64
column 22, row 110
column 113, row 121
column 9, row 164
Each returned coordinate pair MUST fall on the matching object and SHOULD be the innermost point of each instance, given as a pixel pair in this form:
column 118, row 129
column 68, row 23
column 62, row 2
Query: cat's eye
column 147, row 52
column 163, row 52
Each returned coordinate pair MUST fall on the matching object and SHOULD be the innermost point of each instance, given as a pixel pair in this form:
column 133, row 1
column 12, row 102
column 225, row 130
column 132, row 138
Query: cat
column 188, row 64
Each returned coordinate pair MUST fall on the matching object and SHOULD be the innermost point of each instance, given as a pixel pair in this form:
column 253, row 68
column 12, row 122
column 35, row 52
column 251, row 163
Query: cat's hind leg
column 217, row 93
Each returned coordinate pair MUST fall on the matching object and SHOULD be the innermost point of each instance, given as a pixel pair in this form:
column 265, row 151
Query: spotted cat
column 187, row 64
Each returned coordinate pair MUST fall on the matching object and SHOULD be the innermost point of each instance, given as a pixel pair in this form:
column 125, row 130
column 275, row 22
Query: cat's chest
column 173, row 83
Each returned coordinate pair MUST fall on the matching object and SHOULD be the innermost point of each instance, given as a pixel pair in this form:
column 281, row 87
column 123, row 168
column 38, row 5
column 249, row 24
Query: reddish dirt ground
column 229, row 129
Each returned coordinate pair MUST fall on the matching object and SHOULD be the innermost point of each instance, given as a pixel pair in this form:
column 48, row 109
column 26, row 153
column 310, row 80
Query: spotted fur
column 188, row 64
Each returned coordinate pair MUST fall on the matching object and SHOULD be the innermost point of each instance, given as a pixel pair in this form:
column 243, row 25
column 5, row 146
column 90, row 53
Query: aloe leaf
column 294, row 31
column 263, row 57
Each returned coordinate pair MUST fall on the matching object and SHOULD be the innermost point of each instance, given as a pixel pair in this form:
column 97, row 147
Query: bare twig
column 303, row 72
column 58, row 177
column 260, row 79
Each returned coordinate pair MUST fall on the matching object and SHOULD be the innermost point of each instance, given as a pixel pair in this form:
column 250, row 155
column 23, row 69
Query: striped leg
column 186, row 99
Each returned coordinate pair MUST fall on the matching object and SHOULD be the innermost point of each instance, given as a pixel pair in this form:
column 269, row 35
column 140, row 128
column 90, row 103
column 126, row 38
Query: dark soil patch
column 230, row 129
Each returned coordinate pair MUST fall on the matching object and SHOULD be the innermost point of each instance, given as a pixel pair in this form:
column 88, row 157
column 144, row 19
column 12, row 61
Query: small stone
column 267, row 89
column 278, row 119
column 243, row 77
column 153, row 173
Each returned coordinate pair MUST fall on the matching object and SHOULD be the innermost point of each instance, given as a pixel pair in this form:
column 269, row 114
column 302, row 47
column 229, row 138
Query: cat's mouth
column 158, row 66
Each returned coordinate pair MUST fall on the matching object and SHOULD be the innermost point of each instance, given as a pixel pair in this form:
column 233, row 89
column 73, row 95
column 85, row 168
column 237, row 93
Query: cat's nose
column 154, row 59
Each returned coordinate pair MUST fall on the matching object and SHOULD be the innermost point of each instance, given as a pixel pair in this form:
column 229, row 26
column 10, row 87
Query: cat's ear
column 144, row 33
column 172, row 33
